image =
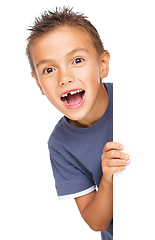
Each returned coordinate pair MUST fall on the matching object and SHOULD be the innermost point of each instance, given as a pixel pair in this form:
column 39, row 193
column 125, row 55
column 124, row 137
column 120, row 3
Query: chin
column 77, row 115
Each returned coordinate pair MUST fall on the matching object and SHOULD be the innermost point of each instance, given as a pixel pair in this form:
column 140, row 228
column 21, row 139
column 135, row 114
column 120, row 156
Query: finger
column 112, row 170
column 117, row 154
column 112, row 145
column 117, row 163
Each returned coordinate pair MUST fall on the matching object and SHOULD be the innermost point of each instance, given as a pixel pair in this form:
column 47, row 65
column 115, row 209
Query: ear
column 104, row 68
column 37, row 82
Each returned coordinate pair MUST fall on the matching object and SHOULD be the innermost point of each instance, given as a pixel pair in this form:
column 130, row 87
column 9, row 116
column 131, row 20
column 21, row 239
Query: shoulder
column 108, row 85
column 57, row 131
column 62, row 135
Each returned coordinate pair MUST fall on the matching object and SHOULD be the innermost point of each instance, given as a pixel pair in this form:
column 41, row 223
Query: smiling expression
column 68, row 70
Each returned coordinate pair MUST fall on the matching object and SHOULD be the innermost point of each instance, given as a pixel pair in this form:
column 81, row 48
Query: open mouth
column 73, row 98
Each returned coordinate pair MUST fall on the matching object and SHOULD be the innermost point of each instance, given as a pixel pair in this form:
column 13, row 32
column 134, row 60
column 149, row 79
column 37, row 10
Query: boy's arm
column 96, row 208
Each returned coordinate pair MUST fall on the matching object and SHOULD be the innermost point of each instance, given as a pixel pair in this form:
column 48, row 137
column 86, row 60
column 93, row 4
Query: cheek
column 93, row 78
column 49, row 89
column 94, row 69
column 47, row 85
column 89, row 73
column 93, row 82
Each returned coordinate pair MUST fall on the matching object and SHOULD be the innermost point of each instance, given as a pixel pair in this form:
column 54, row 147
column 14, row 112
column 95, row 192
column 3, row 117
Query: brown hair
column 51, row 20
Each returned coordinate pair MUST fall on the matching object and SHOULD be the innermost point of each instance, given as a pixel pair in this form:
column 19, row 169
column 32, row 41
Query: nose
column 65, row 79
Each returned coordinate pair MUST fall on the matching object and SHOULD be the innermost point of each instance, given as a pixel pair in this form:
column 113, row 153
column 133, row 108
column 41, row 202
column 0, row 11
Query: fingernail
column 121, row 147
column 126, row 156
column 128, row 161
column 124, row 167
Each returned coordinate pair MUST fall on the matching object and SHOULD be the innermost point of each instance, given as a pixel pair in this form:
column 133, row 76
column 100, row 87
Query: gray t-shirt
column 75, row 154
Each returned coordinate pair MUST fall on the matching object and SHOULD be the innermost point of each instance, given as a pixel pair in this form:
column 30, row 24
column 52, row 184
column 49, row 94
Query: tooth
column 64, row 95
column 73, row 92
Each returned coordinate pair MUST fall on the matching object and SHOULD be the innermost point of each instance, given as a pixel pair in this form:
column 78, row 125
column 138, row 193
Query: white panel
column 134, row 119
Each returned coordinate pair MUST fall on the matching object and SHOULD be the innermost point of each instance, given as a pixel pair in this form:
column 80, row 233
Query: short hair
column 51, row 20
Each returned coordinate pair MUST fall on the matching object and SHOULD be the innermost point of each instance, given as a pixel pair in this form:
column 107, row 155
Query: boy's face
column 68, row 71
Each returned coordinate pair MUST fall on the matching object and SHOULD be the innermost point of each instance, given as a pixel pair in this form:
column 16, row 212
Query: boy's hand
column 113, row 160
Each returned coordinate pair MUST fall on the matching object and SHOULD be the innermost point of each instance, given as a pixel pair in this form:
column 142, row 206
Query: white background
column 29, row 208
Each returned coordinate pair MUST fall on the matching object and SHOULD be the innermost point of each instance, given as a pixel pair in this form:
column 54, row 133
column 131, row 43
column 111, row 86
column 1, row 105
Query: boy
column 68, row 61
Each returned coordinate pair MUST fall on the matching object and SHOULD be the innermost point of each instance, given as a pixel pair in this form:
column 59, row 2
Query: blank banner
column 134, row 126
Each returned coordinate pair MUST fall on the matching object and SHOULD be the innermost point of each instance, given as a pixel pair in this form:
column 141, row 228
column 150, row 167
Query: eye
column 78, row 60
column 48, row 70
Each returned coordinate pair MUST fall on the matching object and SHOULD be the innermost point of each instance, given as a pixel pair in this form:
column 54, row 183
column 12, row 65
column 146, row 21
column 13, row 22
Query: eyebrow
column 43, row 61
column 68, row 54
column 77, row 50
